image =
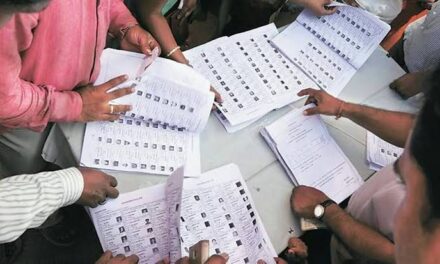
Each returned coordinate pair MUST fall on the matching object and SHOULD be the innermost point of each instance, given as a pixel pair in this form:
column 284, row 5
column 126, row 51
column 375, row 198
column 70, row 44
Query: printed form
column 161, row 132
column 310, row 155
column 166, row 220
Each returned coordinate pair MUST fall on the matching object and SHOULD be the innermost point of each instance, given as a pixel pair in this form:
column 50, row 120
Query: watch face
column 319, row 211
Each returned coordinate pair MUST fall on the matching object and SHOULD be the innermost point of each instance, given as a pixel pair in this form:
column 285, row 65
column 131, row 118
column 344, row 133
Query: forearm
column 360, row 238
column 27, row 200
column 33, row 106
column 393, row 127
column 161, row 31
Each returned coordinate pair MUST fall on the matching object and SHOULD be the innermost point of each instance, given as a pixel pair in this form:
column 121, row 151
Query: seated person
column 417, row 52
column 412, row 210
column 166, row 23
column 49, row 62
column 367, row 225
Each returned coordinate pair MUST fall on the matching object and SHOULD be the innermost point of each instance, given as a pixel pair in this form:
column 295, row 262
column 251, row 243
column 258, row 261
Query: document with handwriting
column 166, row 220
column 330, row 49
column 171, row 106
column 310, row 155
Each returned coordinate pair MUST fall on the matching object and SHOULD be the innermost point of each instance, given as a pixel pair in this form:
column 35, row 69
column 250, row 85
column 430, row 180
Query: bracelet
column 173, row 50
column 339, row 114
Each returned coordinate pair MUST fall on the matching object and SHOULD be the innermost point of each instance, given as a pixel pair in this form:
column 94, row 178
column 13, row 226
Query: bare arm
column 391, row 126
column 357, row 236
column 360, row 238
column 157, row 24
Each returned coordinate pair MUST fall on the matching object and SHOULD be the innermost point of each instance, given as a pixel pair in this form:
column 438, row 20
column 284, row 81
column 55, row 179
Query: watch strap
column 327, row 203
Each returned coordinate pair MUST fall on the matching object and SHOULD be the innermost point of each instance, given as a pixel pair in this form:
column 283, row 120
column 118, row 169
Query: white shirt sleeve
column 27, row 200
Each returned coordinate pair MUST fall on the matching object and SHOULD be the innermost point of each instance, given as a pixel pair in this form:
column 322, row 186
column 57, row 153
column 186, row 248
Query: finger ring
column 111, row 109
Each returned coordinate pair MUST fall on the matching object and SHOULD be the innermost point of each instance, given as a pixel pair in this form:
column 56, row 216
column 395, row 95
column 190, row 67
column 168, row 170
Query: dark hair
column 425, row 142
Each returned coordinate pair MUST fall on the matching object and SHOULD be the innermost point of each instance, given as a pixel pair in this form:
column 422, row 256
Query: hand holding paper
column 96, row 100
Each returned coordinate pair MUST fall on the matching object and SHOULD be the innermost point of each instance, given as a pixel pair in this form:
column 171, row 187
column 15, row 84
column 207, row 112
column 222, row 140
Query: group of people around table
column 50, row 57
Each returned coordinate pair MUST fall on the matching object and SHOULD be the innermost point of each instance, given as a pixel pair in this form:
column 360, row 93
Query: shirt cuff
column 66, row 106
column 72, row 183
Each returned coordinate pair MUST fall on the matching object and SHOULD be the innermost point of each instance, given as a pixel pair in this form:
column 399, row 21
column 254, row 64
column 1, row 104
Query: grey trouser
column 20, row 151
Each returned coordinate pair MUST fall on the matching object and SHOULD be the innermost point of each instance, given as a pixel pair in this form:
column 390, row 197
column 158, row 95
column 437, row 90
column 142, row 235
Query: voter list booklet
column 251, row 75
column 330, row 49
column 380, row 153
column 171, row 106
column 310, row 155
column 166, row 220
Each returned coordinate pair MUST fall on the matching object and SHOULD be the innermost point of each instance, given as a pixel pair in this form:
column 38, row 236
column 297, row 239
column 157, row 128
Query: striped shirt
column 422, row 42
column 26, row 201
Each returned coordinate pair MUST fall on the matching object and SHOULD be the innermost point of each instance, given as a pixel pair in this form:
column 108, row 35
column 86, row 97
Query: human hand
column 217, row 96
column 297, row 248
column 96, row 100
column 409, row 84
column 325, row 103
column 277, row 261
column 97, row 187
column 426, row 4
column 107, row 258
column 188, row 7
column 214, row 259
column 318, row 7
column 136, row 39
column 304, row 199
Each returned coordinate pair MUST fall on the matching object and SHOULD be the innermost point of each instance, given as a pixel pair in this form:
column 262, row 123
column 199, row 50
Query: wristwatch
column 320, row 208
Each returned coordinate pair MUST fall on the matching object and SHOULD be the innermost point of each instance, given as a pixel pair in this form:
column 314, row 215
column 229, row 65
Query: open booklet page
column 310, row 155
column 139, row 146
column 381, row 153
column 216, row 207
column 331, row 48
column 171, row 106
column 167, row 92
column 143, row 222
column 250, row 74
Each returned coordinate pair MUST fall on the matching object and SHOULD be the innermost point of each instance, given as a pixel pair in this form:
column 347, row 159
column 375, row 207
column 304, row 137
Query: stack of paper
column 380, row 153
column 161, row 132
column 330, row 49
column 310, row 155
column 255, row 77
column 166, row 220
column 252, row 76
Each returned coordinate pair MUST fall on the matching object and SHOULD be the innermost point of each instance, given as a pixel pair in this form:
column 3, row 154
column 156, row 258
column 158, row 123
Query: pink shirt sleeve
column 120, row 18
column 22, row 103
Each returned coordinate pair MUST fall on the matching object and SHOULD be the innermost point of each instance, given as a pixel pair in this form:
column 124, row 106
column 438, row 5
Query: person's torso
column 67, row 43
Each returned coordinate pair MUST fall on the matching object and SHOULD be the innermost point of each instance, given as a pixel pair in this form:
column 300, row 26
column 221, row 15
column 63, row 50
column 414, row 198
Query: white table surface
column 267, row 181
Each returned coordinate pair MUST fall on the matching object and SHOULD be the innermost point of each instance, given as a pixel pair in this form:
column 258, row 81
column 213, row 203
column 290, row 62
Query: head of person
column 417, row 223
column 9, row 7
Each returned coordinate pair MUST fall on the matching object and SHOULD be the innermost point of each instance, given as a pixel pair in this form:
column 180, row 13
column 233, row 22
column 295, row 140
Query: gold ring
column 111, row 109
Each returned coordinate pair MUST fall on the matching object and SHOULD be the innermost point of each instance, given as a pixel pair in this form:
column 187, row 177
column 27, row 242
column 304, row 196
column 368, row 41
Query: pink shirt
column 45, row 55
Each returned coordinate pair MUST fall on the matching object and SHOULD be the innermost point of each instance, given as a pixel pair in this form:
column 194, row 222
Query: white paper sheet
column 311, row 156
column 381, row 153
column 329, row 49
column 134, row 145
column 142, row 222
column 167, row 92
column 171, row 105
column 218, row 207
column 351, row 32
column 250, row 74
